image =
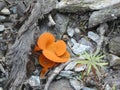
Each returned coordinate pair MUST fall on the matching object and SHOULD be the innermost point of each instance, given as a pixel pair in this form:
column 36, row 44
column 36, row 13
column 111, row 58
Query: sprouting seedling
column 93, row 61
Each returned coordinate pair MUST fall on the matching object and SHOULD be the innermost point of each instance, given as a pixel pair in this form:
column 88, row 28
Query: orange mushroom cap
column 60, row 47
column 45, row 39
column 53, row 57
column 46, row 62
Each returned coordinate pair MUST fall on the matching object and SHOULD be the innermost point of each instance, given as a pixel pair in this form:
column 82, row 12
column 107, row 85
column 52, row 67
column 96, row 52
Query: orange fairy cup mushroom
column 45, row 39
column 52, row 51
column 46, row 63
column 53, row 57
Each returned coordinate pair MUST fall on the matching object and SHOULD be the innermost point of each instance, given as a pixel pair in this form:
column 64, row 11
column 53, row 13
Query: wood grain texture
column 17, row 56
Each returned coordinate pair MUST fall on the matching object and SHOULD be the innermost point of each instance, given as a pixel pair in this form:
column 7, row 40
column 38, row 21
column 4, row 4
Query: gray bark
column 102, row 16
column 85, row 5
column 17, row 56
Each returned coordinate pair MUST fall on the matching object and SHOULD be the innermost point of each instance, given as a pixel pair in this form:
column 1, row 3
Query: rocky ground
column 84, row 26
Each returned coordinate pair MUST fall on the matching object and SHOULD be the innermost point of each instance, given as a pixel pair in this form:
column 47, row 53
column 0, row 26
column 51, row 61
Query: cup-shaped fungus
column 52, row 51
column 53, row 57
column 46, row 64
column 44, row 40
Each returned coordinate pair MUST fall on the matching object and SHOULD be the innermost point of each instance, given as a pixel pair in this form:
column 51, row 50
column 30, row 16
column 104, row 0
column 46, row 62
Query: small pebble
column 5, row 11
column 77, row 30
column 1, row 88
column 73, row 41
column 107, row 87
column 113, row 60
column 87, row 88
column 34, row 81
column 79, row 48
column 70, row 31
column 71, row 65
column 95, row 37
column 79, row 68
column 85, row 41
column 2, row 28
column 65, row 37
column 66, row 73
column 14, row 10
column 77, row 85
column 2, row 18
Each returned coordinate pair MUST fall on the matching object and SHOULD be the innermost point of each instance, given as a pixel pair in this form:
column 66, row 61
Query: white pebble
column 5, row 11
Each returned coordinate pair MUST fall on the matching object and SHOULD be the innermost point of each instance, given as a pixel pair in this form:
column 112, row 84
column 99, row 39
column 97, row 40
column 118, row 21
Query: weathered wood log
column 85, row 5
column 104, row 15
column 17, row 56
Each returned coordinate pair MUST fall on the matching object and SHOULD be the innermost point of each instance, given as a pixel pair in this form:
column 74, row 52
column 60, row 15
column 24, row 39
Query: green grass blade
column 82, row 61
column 89, row 69
column 101, row 64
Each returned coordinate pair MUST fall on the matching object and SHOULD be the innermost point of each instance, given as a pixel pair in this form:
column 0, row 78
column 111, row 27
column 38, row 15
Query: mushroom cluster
column 53, row 52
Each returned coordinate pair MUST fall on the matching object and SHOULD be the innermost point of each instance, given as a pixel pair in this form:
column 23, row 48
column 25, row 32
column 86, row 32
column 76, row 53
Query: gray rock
column 113, row 81
column 107, row 87
column 70, row 31
column 1, row 88
column 77, row 85
column 79, row 48
column 93, row 36
column 65, row 37
column 77, row 30
column 79, row 68
column 66, row 74
column 73, row 41
column 19, row 9
column 87, row 88
column 113, row 60
column 2, row 4
column 2, row 59
column 1, row 36
column 62, row 84
column 60, row 27
column 2, row 18
column 5, row 11
column 102, row 28
column 14, row 9
column 34, row 81
column 2, row 69
column 114, row 45
column 103, row 16
column 77, row 36
column 2, row 28
column 84, row 5
column 71, row 66
column 8, row 24
column 61, row 24
column 85, row 41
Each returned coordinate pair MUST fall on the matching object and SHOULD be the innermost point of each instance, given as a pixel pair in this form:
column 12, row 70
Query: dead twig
column 51, row 21
column 102, row 29
column 56, row 72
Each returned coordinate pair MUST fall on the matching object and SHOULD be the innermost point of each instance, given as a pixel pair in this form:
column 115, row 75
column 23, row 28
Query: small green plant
column 92, row 61
column 114, row 87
